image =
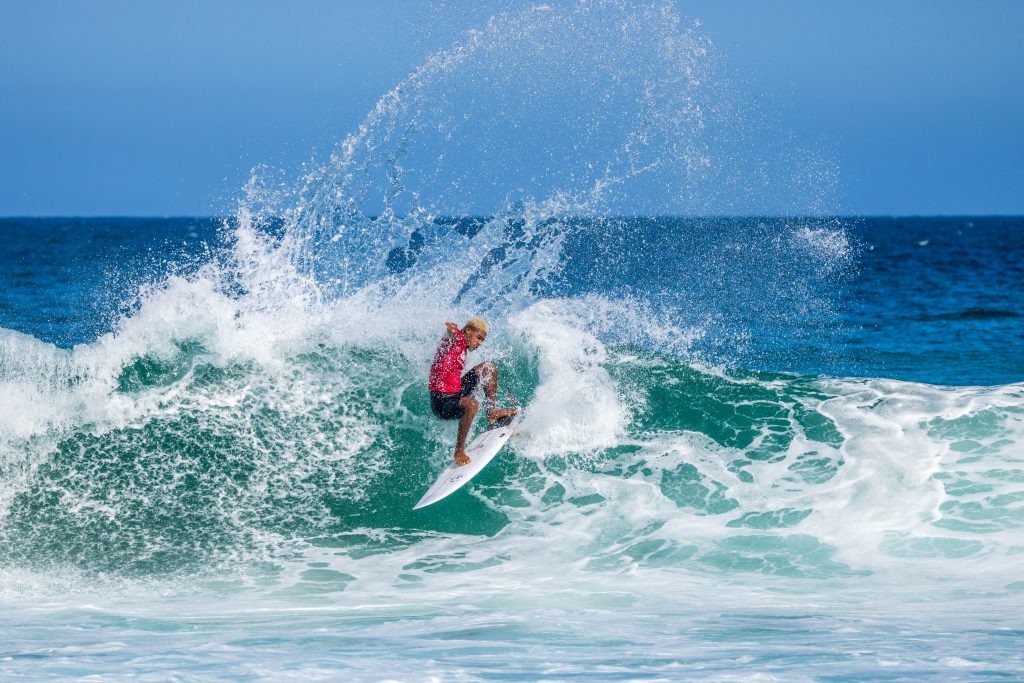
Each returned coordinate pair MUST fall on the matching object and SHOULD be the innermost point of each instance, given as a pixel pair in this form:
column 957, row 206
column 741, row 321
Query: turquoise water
column 753, row 448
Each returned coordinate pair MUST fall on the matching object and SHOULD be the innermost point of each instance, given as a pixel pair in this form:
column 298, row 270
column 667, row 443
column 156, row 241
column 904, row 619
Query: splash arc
column 481, row 451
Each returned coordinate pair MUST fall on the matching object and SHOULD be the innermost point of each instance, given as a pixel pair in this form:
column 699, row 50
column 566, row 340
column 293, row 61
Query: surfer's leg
column 469, row 407
column 487, row 374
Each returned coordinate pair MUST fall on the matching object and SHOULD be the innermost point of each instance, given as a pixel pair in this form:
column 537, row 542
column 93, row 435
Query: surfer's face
column 473, row 337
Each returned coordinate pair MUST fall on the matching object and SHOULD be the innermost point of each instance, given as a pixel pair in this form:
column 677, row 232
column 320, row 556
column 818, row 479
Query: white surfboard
column 480, row 451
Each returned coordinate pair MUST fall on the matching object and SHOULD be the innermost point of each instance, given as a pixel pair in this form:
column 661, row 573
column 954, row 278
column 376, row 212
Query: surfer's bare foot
column 461, row 458
column 495, row 415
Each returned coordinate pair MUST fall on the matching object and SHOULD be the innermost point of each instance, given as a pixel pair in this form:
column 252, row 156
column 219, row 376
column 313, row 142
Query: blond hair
column 477, row 323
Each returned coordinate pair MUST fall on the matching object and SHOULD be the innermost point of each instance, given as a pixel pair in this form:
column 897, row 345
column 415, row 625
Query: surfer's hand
column 453, row 329
column 495, row 415
column 461, row 458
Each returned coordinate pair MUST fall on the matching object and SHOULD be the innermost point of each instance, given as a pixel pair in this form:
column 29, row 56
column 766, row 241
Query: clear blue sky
column 161, row 108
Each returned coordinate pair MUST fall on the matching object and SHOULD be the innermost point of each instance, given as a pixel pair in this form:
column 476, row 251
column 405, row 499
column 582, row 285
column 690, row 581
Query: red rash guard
column 446, row 372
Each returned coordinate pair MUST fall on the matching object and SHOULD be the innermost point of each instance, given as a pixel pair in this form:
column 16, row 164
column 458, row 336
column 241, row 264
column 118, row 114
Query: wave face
column 255, row 427
column 230, row 450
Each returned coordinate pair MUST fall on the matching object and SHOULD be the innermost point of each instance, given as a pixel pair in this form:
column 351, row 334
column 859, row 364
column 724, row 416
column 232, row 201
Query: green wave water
column 257, row 498
column 202, row 463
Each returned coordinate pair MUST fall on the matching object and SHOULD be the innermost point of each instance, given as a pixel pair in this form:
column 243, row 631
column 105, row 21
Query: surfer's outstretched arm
column 469, row 407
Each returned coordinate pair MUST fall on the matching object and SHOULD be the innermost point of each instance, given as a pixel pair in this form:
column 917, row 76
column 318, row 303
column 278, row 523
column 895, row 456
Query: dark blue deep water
column 929, row 299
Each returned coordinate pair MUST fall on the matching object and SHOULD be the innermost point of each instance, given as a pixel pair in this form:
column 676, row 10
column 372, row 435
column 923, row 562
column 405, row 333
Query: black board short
column 446, row 406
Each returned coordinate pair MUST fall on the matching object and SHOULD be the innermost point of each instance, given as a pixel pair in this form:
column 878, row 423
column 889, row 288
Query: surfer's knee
column 469, row 405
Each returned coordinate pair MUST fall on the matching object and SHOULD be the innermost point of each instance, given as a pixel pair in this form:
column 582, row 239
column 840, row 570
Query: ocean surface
column 783, row 448
column 203, row 482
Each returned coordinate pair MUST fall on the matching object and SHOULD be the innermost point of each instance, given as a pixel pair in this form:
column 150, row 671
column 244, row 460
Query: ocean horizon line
column 842, row 216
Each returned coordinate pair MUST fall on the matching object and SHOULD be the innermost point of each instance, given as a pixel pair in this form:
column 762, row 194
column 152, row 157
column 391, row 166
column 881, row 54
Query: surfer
column 451, row 391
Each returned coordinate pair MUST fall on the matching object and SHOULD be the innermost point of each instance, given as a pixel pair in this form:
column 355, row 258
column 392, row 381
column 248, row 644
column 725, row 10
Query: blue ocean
column 761, row 439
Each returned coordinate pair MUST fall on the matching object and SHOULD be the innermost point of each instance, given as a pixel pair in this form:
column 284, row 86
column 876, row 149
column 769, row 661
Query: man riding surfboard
column 451, row 390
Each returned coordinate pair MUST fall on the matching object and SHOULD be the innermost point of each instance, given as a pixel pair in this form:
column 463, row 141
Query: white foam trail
column 576, row 407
